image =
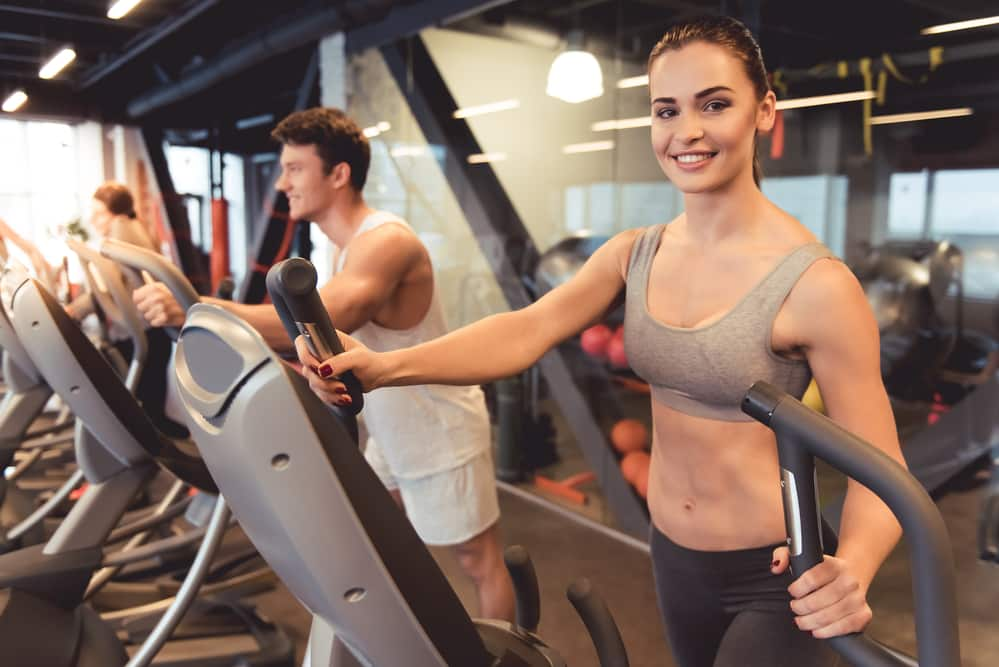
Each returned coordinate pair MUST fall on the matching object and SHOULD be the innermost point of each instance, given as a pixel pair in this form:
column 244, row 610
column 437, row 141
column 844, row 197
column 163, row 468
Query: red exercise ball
column 635, row 464
column 615, row 352
column 594, row 340
column 629, row 435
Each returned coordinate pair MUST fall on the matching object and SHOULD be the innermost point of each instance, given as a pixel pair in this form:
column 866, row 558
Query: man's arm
column 379, row 260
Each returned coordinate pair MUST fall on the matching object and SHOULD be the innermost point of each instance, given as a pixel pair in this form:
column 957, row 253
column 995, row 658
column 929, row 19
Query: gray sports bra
column 705, row 371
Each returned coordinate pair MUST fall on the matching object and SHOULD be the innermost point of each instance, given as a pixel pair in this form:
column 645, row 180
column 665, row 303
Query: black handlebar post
column 599, row 622
column 292, row 288
column 525, row 586
column 803, row 433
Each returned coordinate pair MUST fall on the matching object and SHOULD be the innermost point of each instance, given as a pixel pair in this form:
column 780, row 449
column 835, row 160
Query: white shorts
column 448, row 507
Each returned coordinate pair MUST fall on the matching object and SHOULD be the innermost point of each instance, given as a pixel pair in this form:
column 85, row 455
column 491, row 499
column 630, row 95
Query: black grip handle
column 226, row 289
column 292, row 287
column 599, row 623
column 525, row 586
column 801, row 505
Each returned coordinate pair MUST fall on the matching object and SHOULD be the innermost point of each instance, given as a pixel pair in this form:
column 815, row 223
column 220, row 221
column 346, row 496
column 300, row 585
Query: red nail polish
column 775, row 563
column 341, row 390
column 347, row 400
column 325, row 371
column 314, row 369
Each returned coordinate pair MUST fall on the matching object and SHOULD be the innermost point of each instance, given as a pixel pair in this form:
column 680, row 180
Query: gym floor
column 563, row 550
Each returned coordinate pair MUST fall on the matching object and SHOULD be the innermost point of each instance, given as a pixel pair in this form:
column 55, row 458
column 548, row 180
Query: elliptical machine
column 281, row 457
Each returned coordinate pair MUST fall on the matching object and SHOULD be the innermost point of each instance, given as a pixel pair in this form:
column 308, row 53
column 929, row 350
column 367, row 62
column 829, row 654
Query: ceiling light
column 15, row 101
column 575, row 75
column 375, row 130
column 633, row 81
column 482, row 158
column 960, row 25
column 407, row 151
column 921, row 115
column 121, row 7
column 621, row 124
column 482, row 109
column 819, row 100
column 58, row 62
column 589, row 147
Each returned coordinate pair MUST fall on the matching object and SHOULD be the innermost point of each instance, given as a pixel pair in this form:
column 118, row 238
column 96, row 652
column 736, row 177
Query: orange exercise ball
column 629, row 435
column 634, row 465
column 641, row 482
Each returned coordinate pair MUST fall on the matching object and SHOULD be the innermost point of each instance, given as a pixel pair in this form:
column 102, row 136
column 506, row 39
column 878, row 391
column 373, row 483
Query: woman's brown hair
column 117, row 198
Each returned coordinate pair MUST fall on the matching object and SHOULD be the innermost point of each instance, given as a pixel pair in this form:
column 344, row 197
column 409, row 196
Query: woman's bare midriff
column 714, row 485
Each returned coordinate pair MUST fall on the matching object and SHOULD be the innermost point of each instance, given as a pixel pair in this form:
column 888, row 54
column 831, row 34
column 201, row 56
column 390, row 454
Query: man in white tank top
column 430, row 444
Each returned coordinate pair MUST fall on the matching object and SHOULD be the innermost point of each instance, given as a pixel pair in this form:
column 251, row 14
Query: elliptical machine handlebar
column 158, row 266
column 292, row 288
column 803, row 434
column 599, row 623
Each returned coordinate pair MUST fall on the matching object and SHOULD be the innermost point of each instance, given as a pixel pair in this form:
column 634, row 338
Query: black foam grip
column 292, row 287
column 599, row 623
column 525, row 586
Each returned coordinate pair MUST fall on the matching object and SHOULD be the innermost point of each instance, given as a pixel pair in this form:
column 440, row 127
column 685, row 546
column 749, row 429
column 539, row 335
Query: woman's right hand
column 322, row 374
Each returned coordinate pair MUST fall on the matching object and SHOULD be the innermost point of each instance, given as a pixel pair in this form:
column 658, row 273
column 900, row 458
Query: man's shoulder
column 385, row 228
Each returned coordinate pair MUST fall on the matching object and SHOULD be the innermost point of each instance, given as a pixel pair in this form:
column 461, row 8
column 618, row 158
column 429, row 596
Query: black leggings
column 725, row 608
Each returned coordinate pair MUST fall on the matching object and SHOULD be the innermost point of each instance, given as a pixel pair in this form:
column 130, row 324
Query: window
column 959, row 205
column 39, row 189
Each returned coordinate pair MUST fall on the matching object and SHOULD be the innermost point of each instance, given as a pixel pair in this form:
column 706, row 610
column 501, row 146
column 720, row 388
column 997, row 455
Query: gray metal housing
column 303, row 494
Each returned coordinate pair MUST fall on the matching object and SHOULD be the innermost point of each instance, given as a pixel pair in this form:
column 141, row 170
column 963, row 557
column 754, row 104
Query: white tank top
column 421, row 429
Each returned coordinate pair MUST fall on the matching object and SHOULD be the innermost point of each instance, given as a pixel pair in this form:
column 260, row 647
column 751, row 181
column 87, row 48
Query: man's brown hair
column 335, row 135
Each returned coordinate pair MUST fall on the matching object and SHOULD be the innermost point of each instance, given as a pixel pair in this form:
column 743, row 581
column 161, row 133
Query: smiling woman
column 732, row 291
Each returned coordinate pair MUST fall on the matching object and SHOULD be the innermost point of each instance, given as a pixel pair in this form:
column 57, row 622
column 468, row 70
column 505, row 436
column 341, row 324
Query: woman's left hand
column 828, row 599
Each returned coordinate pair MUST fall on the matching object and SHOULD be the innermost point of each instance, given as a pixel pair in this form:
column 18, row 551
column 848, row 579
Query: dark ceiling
column 205, row 63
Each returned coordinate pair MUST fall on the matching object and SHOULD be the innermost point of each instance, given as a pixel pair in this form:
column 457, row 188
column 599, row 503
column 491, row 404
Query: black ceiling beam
column 246, row 53
column 410, row 19
column 67, row 16
column 939, row 8
column 921, row 58
column 21, row 37
column 569, row 10
column 54, row 32
column 17, row 58
column 144, row 42
column 379, row 21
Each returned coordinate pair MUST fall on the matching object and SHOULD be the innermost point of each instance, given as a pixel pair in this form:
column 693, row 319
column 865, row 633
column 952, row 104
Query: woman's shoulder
column 132, row 230
column 621, row 245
